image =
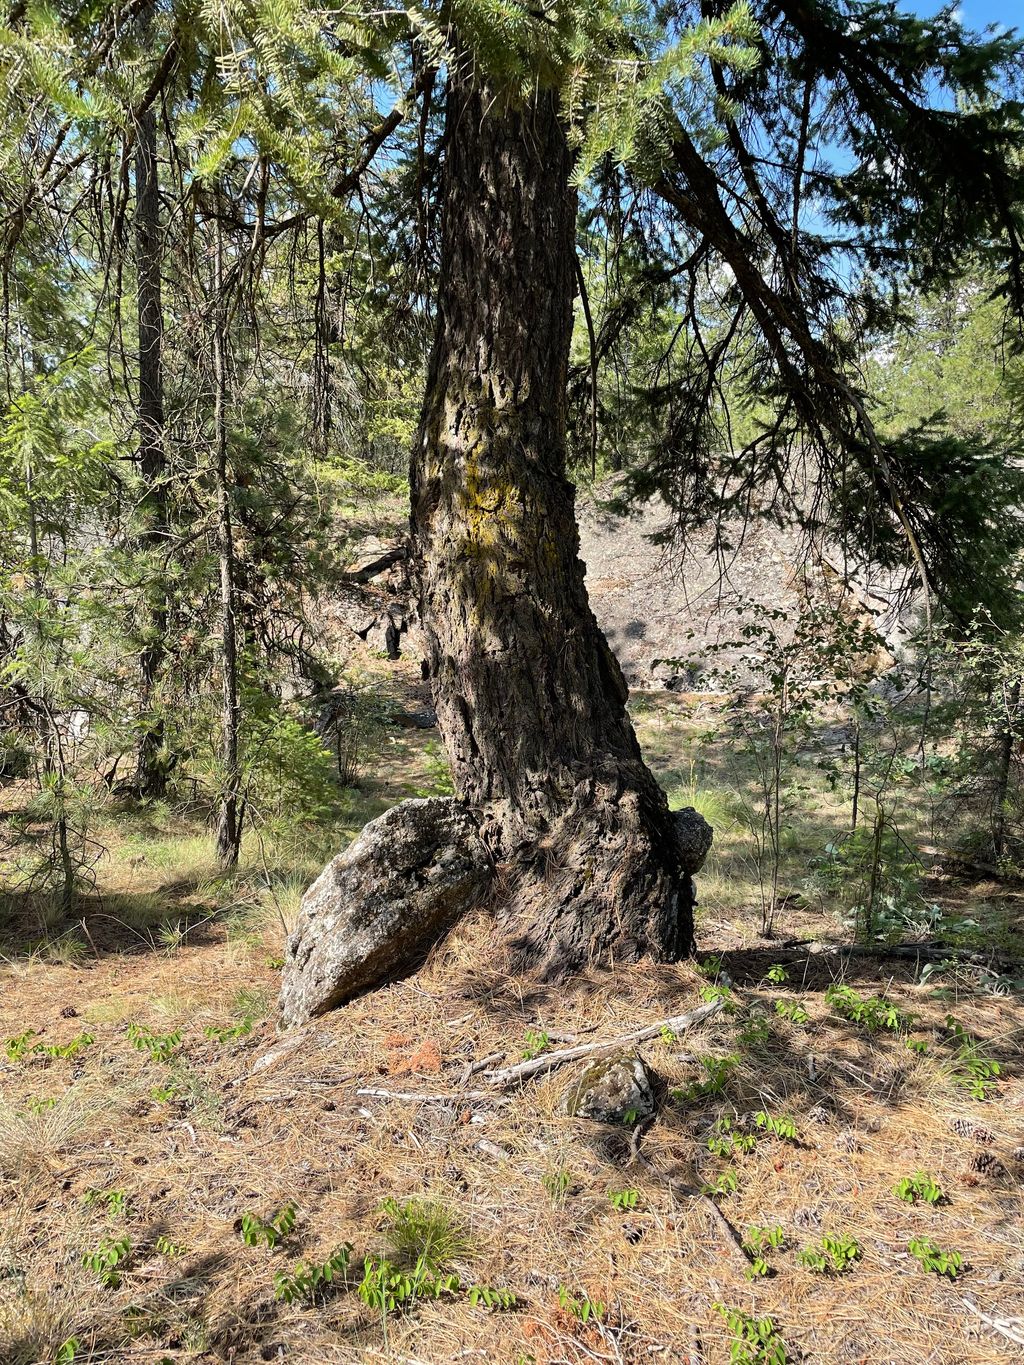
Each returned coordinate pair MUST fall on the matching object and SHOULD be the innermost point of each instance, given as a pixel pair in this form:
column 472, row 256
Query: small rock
column 618, row 1088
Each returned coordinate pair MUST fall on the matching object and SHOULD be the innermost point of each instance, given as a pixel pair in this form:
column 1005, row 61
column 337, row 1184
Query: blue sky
column 977, row 13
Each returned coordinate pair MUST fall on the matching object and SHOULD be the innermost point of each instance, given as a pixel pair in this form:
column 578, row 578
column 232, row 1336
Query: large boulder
column 379, row 906
column 618, row 1088
column 695, row 836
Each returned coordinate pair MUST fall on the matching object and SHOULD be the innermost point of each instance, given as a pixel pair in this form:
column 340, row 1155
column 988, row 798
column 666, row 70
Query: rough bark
column 150, row 777
column 530, row 700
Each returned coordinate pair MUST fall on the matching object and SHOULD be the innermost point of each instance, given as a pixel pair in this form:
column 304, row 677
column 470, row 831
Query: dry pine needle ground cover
column 148, row 1105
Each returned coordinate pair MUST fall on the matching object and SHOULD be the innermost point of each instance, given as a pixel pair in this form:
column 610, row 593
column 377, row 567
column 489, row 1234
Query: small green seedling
column 723, row 993
column 727, row 1183
column 386, row 1288
column 496, row 1299
column 970, row 1069
column 834, row 1255
column 64, row 1051
column 306, row 1281
column 115, row 1201
column 108, row 1261
column 255, row 1232
column 934, row 1259
column 792, row 1010
column 622, row 1200
column 755, row 1032
column 873, row 1013
column 557, row 1183
column 165, row 1247
column 582, row 1308
column 229, row 1032
column 16, row 1048
column 725, row 1140
column 757, row 1244
column 717, row 1071
column 67, row 1351
column 754, row 1340
column 777, row 974
column 160, row 1046
column 668, row 1037
column 917, row 1045
column 779, row 1125
column 918, row 1187
column 534, row 1043
column 39, row 1105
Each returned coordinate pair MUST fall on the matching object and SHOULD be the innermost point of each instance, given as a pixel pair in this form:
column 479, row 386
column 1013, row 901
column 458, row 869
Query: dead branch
column 549, row 1061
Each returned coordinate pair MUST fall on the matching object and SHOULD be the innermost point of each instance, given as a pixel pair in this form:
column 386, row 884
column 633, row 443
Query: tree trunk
column 150, row 775
column 229, row 830
column 530, row 700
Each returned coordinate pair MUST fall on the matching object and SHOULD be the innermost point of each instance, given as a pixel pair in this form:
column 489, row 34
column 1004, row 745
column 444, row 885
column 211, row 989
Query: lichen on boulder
column 617, row 1088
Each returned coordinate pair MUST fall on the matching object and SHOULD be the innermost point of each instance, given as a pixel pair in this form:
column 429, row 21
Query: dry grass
column 237, row 1120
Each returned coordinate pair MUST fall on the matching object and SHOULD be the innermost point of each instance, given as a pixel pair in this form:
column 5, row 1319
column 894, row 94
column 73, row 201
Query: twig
column 435, row 1096
column 548, row 1061
column 994, row 1323
column 676, row 1187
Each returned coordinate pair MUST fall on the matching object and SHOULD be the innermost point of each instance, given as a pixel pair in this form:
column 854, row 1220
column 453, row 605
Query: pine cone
column 962, row 1127
column 987, row 1164
column 983, row 1136
column 1018, row 1153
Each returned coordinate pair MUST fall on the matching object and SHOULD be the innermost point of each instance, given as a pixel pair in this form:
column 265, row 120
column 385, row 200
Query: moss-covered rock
column 618, row 1088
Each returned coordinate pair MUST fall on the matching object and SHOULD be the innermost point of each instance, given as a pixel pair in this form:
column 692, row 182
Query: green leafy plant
column 498, row 1300
column 64, row 1051
column 67, row 1351
column 728, row 1182
column 834, row 1255
column 970, row 1068
column 307, row 1280
column 756, row 1031
column 792, row 1010
column 166, row 1247
column 114, row 1201
column 718, row 1070
column 160, row 1046
column 16, row 1048
column 255, row 1232
column 777, row 974
column 779, row 1125
column 621, row 1200
column 754, row 1340
column 668, row 1037
column 757, row 1244
column 726, row 1139
column 229, row 1032
column 918, row 1187
column 557, row 1183
column 935, row 1260
column 534, row 1043
column 107, row 1261
column 387, row 1288
column 873, row 1013
column 581, row 1306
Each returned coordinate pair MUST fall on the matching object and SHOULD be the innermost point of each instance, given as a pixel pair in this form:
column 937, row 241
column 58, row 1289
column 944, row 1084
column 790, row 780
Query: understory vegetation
column 327, row 337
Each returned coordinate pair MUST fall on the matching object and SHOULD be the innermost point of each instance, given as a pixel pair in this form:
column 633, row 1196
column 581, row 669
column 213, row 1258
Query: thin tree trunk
column 530, row 700
column 229, row 833
column 1011, row 707
column 150, row 776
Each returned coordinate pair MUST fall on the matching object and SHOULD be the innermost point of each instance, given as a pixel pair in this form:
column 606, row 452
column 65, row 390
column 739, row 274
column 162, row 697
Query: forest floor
column 148, row 1104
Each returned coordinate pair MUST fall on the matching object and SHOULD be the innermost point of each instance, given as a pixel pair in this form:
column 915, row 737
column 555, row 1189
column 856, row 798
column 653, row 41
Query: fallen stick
column 548, row 1061
column 676, row 1188
column 994, row 1323
column 434, row 1096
